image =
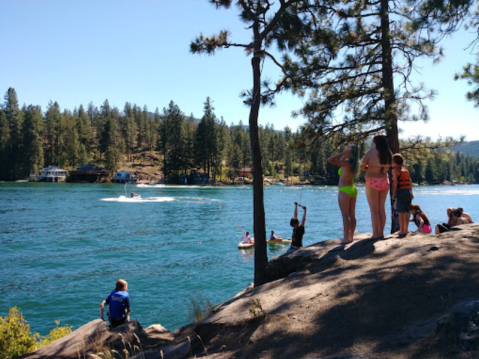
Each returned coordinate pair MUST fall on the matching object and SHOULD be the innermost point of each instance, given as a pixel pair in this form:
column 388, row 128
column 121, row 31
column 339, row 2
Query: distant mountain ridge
column 470, row 148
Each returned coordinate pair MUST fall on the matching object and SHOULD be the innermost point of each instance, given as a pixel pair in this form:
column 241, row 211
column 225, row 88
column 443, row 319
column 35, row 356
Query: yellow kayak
column 285, row 241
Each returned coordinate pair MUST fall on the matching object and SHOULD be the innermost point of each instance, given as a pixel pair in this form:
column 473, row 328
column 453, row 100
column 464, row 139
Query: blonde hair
column 120, row 283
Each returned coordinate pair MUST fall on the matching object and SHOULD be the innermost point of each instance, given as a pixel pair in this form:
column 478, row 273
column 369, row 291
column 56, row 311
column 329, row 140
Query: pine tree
column 262, row 18
column 103, row 126
column 73, row 145
column 206, row 145
column 33, row 140
column 172, row 140
column 14, row 119
column 52, row 118
column 4, row 146
column 111, row 144
column 188, row 133
column 84, row 129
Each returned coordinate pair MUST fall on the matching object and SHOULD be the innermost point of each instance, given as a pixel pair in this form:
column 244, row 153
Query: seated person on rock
column 464, row 214
column 456, row 218
column 119, row 304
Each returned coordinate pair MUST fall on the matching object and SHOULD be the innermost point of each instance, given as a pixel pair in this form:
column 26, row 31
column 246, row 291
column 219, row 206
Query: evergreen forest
column 32, row 138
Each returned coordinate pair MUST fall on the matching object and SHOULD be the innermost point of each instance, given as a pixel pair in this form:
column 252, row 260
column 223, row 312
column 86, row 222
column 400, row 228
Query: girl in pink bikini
column 420, row 219
column 376, row 163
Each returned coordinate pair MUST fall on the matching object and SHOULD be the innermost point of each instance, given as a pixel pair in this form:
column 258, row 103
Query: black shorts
column 403, row 200
column 443, row 227
column 115, row 322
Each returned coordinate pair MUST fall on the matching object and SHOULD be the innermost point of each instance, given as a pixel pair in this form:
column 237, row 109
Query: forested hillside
column 470, row 148
column 31, row 139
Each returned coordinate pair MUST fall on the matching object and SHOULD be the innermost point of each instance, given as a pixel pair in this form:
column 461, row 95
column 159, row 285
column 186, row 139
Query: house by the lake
column 245, row 171
column 88, row 173
column 124, row 177
column 50, row 174
column 195, row 177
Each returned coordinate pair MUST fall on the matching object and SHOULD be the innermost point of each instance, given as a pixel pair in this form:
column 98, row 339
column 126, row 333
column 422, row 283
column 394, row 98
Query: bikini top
column 382, row 167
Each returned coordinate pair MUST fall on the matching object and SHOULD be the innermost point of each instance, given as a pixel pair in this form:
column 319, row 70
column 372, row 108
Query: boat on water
column 135, row 195
column 243, row 245
column 284, row 241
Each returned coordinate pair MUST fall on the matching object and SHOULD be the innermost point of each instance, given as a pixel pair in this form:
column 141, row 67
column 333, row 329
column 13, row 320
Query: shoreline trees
column 279, row 148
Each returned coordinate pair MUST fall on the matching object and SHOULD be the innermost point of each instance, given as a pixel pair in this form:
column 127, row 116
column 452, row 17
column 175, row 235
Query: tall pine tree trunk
column 389, row 96
column 260, row 253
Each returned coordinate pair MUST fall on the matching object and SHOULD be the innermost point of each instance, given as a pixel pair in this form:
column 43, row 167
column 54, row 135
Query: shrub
column 56, row 333
column 256, row 309
column 15, row 336
column 201, row 308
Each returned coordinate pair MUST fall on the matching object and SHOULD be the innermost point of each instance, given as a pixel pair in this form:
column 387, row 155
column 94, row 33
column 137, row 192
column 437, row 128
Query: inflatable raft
column 243, row 245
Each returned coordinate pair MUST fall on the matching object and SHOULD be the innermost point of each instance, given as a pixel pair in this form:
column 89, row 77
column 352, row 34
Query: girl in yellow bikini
column 348, row 161
column 376, row 163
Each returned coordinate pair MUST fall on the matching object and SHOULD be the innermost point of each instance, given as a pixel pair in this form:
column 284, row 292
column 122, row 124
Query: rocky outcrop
column 412, row 297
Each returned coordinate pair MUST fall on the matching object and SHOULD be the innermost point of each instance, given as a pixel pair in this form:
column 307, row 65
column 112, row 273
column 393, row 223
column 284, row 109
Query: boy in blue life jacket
column 119, row 304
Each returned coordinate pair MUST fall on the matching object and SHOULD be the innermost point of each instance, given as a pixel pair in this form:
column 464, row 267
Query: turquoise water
column 63, row 246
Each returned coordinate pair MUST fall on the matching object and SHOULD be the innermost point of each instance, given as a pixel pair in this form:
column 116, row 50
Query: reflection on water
column 246, row 254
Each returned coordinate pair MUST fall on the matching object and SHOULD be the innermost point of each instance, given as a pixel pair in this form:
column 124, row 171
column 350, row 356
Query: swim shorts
column 403, row 200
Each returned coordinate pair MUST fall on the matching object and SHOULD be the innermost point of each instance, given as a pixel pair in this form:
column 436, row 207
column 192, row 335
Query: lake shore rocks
column 411, row 297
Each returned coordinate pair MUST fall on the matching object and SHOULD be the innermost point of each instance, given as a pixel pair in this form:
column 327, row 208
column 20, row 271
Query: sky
column 77, row 52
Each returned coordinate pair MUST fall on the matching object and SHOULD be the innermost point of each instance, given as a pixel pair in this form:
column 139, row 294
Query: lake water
column 63, row 246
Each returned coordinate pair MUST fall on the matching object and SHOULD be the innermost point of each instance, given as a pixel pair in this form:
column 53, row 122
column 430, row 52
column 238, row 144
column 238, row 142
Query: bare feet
column 346, row 241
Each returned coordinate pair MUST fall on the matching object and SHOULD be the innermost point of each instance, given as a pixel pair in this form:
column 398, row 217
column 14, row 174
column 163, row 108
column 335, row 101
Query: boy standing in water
column 119, row 303
column 298, row 229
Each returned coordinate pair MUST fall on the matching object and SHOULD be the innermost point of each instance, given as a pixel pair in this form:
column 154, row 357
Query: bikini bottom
column 379, row 184
column 426, row 228
column 351, row 190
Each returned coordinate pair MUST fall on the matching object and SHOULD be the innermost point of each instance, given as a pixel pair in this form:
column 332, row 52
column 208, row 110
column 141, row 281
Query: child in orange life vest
column 402, row 192
column 420, row 219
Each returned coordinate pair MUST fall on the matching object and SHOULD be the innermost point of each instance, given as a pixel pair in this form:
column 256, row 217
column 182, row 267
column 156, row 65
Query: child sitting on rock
column 420, row 219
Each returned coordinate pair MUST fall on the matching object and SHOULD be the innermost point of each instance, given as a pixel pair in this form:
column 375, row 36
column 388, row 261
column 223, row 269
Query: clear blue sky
column 77, row 52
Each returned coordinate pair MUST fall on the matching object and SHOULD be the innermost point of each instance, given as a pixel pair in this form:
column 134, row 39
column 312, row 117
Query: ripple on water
column 66, row 246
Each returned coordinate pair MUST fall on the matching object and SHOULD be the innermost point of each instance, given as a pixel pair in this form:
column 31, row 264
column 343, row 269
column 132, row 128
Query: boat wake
column 445, row 191
column 138, row 199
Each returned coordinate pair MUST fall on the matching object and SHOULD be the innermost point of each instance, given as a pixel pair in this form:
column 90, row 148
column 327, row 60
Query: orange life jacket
column 404, row 179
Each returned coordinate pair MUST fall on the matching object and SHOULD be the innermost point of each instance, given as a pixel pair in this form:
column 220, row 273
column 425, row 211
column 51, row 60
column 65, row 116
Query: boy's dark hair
column 293, row 222
column 398, row 159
